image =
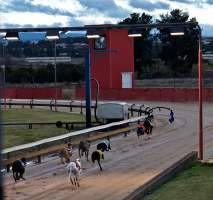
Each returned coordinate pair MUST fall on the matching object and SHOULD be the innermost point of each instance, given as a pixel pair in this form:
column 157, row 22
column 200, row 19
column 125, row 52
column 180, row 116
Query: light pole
column 3, row 73
column 54, row 35
column 96, row 97
column 55, row 76
column 200, row 94
column 1, row 136
column 88, row 89
column 3, row 84
column 200, row 91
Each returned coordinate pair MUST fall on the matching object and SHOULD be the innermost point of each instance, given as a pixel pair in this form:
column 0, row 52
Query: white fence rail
column 34, row 149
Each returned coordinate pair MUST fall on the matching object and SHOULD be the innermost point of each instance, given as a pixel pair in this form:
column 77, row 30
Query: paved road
column 131, row 162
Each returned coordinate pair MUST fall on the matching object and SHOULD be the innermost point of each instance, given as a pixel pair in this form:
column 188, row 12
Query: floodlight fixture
column 12, row 36
column 176, row 31
column 92, row 34
column 134, row 33
column 52, row 35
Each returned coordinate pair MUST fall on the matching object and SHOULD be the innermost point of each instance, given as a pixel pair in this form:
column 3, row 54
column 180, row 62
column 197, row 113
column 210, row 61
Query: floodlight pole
column 88, row 88
column 97, row 95
column 1, row 142
column 4, row 78
column 55, row 75
column 200, row 94
column 1, row 162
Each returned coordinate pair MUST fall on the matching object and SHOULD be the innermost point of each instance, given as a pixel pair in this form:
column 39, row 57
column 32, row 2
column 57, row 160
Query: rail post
column 71, row 105
column 9, row 102
column 132, row 109
column 51, row 106
column 31, row 103
column 81, row 108
column 140, row 111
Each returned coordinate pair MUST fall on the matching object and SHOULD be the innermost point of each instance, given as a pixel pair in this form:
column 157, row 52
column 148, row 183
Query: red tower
column 112, row 59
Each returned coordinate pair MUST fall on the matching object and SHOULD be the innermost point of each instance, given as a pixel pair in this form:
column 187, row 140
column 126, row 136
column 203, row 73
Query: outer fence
column 53, row 144
column 151, row 94
column 138, row 108
column 32, row 103
column 134, row 94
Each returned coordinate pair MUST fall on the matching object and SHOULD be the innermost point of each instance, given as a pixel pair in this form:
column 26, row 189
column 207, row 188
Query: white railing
column 45, row 146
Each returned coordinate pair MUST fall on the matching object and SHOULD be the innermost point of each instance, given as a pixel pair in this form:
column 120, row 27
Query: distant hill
column 32, row 36
column 37, row 36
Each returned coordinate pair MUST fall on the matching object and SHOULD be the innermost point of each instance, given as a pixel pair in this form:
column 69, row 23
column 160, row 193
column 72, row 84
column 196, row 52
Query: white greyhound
column 74, row 170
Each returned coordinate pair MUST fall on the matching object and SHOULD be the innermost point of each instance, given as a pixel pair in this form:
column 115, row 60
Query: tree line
column 177, row 54
column 45, row 74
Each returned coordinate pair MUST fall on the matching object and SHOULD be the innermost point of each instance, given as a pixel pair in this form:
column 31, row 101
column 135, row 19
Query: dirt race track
column 129, row 164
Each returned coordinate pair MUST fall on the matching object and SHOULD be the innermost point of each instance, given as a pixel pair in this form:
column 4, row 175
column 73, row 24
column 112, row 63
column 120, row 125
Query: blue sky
column 43, row 13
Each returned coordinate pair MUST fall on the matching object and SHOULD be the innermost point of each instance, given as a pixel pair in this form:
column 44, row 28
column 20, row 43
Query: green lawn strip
column 22, row 134
column 194, row 183
column 38, row 115
column 18, row 136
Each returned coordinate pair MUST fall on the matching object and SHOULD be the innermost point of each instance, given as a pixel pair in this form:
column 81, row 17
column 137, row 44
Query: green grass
column 38, row 115
column 195, row 183
column 22, row 134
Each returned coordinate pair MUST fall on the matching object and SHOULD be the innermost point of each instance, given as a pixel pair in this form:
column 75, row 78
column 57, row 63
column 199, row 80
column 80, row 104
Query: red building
column 112, row 59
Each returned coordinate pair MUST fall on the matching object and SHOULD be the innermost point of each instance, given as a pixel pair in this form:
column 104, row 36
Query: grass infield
column 17, row 135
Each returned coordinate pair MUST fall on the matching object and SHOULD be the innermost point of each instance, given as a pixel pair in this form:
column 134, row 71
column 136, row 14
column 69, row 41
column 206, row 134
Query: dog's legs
column 77, row 181
column 21, row 176
column 74, row 181
column 79, row 153
column 99, row 164
column 87, row 155
column 14, row 176
column 138, row 135
column 71, row 179
column 17, row 176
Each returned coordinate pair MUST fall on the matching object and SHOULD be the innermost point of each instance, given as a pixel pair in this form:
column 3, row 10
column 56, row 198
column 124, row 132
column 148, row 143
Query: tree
column 143, row 45
column 178, row 52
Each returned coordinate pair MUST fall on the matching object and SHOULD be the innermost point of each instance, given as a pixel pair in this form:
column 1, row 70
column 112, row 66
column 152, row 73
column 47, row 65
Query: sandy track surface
column 130, row 163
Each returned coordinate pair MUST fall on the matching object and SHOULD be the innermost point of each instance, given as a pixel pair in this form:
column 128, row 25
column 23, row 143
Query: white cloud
column 89, row 20
column 72, row 6
column 33, row 18
column 71, row 12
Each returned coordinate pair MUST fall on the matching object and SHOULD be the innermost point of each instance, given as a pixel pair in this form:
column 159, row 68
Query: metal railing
column 53, row 144
column 58, row 124
column 32, row 103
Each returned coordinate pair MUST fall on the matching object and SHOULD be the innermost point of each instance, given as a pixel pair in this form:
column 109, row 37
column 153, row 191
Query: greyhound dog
column 18, row 168
column 74, row 170
column 104, row 145
column 83, row 148
column 97, row 155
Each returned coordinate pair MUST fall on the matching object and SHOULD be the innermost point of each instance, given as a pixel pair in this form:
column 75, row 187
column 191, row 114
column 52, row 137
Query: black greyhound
column 18, row 168
column 104, row 145
column 97, row 155
column 148, row 126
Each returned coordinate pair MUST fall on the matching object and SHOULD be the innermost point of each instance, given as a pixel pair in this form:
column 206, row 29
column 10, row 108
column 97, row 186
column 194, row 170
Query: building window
column 100, row 43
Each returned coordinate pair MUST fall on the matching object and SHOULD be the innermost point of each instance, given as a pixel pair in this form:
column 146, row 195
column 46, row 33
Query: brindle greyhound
column 97, row 155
